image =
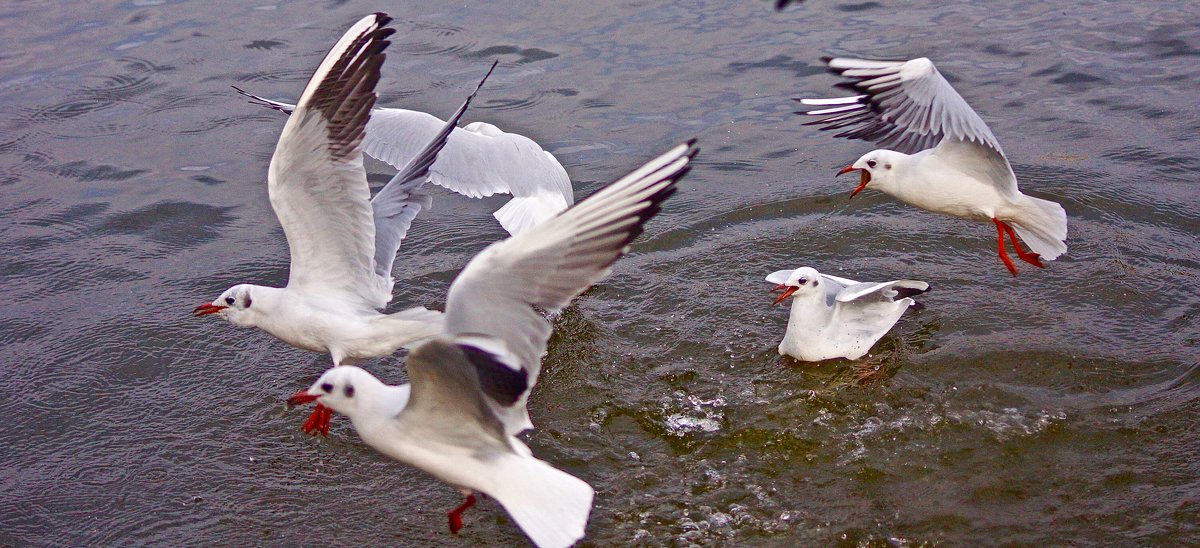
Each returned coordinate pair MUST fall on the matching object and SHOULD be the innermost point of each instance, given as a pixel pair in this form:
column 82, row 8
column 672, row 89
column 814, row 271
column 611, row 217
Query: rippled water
column 1057, row 407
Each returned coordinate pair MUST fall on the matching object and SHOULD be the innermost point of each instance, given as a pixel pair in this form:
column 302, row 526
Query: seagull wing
column 905, row 105
column 316, row 181
column 395, row 206
column 492, row 301
column 884, row 291
column 479, row 160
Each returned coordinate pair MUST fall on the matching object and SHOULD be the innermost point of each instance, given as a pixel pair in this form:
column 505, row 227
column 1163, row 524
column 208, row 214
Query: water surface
column 1060, row 406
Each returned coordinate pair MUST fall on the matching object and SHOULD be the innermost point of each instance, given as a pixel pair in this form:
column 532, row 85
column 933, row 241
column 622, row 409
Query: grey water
column 1061, row 406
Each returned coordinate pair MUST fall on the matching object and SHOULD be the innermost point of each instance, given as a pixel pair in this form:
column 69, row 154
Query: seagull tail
column 522, row 213
column 1043, row 227
column 413, row 325
column 550, row 506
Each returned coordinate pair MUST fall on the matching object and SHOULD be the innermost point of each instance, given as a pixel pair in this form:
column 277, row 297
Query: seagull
column 458, row 417
column 342, row 244
column 479, row 160
column 836, row 317
column 908, row 105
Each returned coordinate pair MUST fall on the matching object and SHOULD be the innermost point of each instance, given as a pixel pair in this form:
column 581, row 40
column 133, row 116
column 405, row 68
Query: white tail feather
column 520, row 214
column 416, row 324
column 1043, row 227
column 550, row 506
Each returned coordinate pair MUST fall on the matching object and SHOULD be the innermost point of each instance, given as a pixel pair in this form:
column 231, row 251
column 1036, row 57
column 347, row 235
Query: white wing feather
column 316, row 181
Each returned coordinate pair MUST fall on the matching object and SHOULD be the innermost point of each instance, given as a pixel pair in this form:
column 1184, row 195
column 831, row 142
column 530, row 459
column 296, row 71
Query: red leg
column 456, row 514
column 1029, row 257
column 1000, row 246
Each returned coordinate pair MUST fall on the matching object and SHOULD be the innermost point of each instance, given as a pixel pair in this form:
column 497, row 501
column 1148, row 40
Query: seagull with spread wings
column 945, row 159
column 342, row 241
column 459, row 416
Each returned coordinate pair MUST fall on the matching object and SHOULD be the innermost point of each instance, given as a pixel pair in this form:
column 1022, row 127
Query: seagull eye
column 802, row 281
column 349, row 391
column 229, row 301
column 870, row 163
column 327, row 387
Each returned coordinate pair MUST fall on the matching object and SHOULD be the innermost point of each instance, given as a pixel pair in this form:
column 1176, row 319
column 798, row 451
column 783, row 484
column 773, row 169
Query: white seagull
column 836, row 317
column 909, row 106
column 458, row 418
column 342, row 243
column 479, row 160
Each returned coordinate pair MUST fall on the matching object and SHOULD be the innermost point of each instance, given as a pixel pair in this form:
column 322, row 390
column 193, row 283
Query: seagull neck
column 379, row 402
column 809, row 308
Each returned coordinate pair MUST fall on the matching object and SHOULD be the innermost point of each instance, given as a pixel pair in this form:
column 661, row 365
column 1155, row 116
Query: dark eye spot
column 248, row 301
column 349, row 391
column 887, row 166
column 229, row 301
column 870, row 163
column 816, row 283
column 327, row 387
column 802, row 281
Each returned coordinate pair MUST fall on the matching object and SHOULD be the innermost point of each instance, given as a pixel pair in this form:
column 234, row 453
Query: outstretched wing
column 317, row 183
column 479, row 160
column 884, row 291
column 493, row 299
column 905, row 105
column 399, row 201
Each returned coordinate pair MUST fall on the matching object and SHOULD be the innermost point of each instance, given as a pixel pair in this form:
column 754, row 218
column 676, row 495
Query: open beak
column 866, row 178
column 207, row 308
column 787, row 292
column 302, row 397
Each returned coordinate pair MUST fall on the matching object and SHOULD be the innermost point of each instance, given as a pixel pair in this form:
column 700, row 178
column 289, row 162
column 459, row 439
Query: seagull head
column 340, row 389
column 235, row 305
column 803, row 281
column 874, row 167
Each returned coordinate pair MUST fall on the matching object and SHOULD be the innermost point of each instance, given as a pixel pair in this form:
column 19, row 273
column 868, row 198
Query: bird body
column 945, row 158
column 833, row 317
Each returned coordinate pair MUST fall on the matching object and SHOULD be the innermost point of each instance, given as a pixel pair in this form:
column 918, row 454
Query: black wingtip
column 498, row 380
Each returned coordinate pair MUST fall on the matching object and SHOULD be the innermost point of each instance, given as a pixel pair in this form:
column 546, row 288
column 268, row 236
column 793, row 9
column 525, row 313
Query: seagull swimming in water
column 342, row 242
column 946, row 159
column 466, row 401
column 836, row 317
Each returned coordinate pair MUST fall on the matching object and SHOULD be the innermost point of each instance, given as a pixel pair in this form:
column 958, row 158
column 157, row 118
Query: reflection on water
column 1056, row 407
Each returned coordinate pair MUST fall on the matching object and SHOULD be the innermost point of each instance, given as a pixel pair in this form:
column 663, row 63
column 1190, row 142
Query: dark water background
column 1062, row 406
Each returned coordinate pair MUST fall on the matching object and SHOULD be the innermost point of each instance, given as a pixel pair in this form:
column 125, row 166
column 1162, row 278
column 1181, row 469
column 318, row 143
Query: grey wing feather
column 904, row 105
column 447, row 396
column 395, row 206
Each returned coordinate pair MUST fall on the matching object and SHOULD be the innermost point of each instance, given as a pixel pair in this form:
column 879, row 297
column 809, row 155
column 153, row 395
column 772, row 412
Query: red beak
column 787, row 292
column 866, row 178
column 208, row 308
column 302, row 397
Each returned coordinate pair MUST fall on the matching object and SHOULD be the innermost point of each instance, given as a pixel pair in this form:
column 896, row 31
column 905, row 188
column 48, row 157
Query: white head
column 346, row 389
column 237, row 305
column 801, row 282
column 877, row 168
